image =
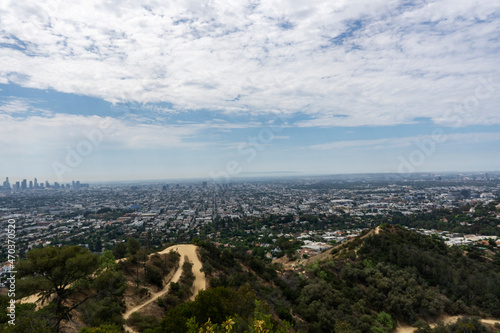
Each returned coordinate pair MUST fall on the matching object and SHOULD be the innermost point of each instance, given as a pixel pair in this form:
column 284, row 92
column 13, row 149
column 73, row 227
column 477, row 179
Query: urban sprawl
column 314, row 212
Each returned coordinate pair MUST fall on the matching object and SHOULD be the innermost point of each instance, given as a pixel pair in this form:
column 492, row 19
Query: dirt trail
column 199, row 283
column 34, row 299
column 445, row 319
column 404, row 329
column 189, row 250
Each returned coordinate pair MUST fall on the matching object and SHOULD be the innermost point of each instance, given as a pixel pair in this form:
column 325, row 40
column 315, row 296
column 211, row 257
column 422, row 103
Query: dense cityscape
column 319, row 211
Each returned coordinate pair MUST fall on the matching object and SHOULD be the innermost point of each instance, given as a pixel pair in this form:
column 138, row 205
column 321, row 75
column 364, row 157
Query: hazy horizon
column 277, row 175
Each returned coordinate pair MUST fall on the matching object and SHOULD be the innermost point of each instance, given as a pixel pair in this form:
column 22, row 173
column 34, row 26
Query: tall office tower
column 204, row 184
column 73, row 184
column 18, row 186
column 77, row 184
column 31, row 184
column 36, row 183
column 24, row 185
column 56, row 185
column 47, row 185
column 6, row 184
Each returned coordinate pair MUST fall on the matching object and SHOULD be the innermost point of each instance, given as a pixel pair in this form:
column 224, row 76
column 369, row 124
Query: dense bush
column 142, row 322
column 153, row 276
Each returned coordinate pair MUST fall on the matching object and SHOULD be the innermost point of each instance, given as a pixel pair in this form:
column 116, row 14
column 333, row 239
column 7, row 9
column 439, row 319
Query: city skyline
column 144, row 92
column 26, row 184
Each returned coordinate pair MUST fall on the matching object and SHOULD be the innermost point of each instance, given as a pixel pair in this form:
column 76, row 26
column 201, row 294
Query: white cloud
column 35, row 135
column 394, row 63
column 21, row 106
column 30, row 130
column 14, row 106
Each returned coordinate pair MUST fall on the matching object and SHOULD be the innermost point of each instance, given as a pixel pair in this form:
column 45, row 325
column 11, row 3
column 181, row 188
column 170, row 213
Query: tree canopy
column 53, row 272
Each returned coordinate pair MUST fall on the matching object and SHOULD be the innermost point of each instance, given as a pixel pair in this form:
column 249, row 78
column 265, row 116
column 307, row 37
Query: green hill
column 365, row 285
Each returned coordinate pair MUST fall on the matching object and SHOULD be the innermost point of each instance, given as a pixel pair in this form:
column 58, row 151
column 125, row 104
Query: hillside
column 188, row 253
column 408, row 276
column 388, row 279
column 114, row 291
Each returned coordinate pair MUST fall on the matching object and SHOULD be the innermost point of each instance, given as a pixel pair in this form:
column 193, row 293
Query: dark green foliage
column 107, row 260
column 216, row 304
column 154, row 276
column 182, row 290
column 383, row 323
column 142, row 322
column 4, row 303
column 133, row 246
column 187, row 276
column 68, row 271
column 397, row 274
column 228, row 265
column 432, row 263
column 169, row 301
column 289, row 247
column 102, row 329
column 56, row 271
column 165, row 262
column 30, row 321
column 100, row 312
column 317, row 303
column 107, row 305
column 120, row 250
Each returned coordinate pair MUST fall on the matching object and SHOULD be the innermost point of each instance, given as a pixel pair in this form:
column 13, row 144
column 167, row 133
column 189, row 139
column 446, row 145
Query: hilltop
column 392, row 270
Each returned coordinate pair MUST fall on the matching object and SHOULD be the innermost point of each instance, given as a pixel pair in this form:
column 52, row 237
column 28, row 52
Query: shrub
column 154, row 276
column 142, row 322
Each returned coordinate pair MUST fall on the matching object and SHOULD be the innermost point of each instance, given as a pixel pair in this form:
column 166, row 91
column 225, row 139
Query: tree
column 98, row 245
column 30, row 321
column 107, row 305
column 53, row 272
column 102, row 329
column 133, row 246
column 107, row 260
column 120, row 250
column 154, row 276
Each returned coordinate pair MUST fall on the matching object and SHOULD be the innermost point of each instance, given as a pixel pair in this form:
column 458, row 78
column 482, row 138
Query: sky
column 131, row 90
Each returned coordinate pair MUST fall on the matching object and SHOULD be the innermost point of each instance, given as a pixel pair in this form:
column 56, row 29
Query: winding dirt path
column 185, row 250
column 200, row 282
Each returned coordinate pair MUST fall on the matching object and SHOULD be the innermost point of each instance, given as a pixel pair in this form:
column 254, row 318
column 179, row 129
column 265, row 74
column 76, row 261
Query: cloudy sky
column 112, row 90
